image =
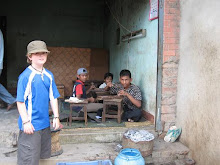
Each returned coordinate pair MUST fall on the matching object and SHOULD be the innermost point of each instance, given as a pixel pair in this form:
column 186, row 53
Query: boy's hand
column 109, row 84
column 28, row 128
column 91, row 100
column 56, row 123
column 122, row 93
column 92, row 87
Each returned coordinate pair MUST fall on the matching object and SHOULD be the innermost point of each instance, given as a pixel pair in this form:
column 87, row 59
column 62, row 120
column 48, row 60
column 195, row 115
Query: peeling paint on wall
column 139, row 55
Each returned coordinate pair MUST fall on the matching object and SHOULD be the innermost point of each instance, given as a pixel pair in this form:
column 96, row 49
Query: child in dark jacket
column 80, row 92
column 79, row 89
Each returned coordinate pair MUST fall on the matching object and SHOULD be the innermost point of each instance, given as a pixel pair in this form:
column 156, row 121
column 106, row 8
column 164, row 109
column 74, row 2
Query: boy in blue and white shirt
column 36, row 88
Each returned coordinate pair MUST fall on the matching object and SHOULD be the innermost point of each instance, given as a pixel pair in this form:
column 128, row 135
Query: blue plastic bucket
column 129, row 156
column 97, row 162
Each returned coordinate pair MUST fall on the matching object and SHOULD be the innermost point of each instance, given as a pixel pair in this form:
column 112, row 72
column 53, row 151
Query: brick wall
column 170, row 61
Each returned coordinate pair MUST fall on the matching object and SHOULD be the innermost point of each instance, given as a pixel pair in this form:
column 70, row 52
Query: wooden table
column 112, row 101
column 101, row 92
column 80, row 104
column 109, row 97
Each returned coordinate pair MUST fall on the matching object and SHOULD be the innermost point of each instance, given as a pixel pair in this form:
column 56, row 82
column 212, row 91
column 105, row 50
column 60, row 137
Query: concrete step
column 97, row 135
column 163, row 153
column 72, row 153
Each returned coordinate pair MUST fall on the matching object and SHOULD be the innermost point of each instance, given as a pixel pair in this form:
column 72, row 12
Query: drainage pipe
column 158, row 123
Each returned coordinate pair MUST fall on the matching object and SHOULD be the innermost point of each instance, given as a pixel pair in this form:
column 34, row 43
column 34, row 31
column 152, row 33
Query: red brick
column 173, row 5
column 177, row 40
column 166, row 58
column 172, row 16
column 174, row 24
column 173, row 1
column 170, row 40
column 174, row 59
column 166, row 4
column 170, row 72
column 168, row 109
column 173, row 46
column 170, row 34
column 178, row 17
column 168, row 29
column 176, row 34
column 166, row 9
column 174, row 11
column 166, row 47
column 166, row 35
column 174, row 81
column 178, row 30
column 168, row 117
column 169, row 90
column 178, row 12
column 166, row 23
column 171, row 100
column 169, row 17
column 169, row 53
column 169, row 83
column 170, row 65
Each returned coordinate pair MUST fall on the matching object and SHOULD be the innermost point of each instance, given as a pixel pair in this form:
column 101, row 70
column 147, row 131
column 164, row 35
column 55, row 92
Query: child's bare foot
column 130, row 120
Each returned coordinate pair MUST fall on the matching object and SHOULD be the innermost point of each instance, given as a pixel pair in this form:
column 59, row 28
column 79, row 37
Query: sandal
column 172, row 134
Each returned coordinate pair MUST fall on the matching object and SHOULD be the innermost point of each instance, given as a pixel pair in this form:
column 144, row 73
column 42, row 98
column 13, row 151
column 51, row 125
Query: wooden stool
column 81, row 104
column 106, row 103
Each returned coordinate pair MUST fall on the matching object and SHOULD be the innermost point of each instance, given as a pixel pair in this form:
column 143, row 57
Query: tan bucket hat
column 37, row 46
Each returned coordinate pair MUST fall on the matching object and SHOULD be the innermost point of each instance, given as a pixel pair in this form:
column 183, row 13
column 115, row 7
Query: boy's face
column 125, row 81
column 108, row 79
column 82, row 77
column 38, row 58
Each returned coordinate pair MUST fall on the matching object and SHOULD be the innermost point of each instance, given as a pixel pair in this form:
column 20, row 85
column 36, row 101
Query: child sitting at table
column 108, row 77
column 80, row 91
column 132, row 97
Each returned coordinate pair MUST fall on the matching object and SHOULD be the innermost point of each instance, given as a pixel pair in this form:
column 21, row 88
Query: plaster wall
column 198, row 80
column 138, row 55
column 65, row 24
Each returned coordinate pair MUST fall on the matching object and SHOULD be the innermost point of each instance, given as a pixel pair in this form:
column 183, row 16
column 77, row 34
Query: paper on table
column 75, row 100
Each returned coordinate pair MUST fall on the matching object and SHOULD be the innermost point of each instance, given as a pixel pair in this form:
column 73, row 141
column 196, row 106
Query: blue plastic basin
column 97, row 162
